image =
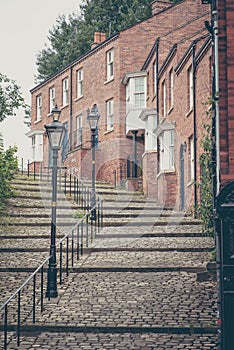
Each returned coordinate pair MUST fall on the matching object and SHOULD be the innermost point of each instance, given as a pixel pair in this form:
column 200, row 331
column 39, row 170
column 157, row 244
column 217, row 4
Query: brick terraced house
column 151, row 83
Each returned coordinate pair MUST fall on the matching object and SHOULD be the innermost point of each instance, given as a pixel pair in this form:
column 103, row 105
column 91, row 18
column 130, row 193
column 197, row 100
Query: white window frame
column 39, row 107
column 110, row 114
column 52, row 98
column 167, row 150
column 190, row 88
column 79, row 122
column 65, row 92
column 33, row 146
column 171, row 88
column 80, row 83
column 154, row 78
column 191, row 149
column 164, row 98
column 110, row 64
column 140, row 92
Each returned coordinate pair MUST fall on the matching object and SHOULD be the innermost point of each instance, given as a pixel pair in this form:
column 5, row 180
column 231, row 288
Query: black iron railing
column 72, row 186
column 12, row 308
column 24, row 304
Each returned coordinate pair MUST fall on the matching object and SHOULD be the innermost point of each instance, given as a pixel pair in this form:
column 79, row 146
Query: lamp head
column 93, row 117
column 56, row 130
column 55, row 113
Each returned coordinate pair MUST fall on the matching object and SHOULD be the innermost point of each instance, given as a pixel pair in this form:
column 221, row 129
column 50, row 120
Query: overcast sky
column 24, row 27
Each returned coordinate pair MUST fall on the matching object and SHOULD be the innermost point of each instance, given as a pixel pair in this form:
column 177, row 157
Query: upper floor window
column 110, row 114
column 136, row 88
column 39, row 107
column 164, row 99
column 65, row 91
column 154, row 78
column 139, row 93
column 78, row 136
column 171, row 88
column 190, row 88
column 80, row 83
column 166, row 140
column 110, row 64
column 52, row 99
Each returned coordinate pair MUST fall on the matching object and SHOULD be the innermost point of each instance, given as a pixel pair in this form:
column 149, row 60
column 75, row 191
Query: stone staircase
column 136, row 286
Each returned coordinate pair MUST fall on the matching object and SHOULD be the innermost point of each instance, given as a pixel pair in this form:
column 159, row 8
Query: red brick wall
column 150, row 174
column 226, row 88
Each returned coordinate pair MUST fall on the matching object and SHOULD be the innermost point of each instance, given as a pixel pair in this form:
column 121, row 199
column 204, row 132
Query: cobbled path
column 135, row 287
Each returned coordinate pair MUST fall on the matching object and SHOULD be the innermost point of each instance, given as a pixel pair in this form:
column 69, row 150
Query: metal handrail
column 79, row 227
column 18, row 293
column 84, row 231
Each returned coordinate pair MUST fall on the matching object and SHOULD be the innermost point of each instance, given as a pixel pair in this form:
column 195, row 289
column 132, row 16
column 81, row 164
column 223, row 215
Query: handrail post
column 34, row 298
column 87, row 231
column 18, row 321
column 82, row 237
column 5, row 326
column 60, row 263
column 67, row 260
column 42, row 292
column 78, row 242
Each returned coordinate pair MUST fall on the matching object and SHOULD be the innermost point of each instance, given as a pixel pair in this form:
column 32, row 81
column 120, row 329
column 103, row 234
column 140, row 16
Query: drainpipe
column 216, row 90
column 216, row 167
column 134, row 151
column 71, row 111
column 157, row 97
column 157, row 80
column 195, row 128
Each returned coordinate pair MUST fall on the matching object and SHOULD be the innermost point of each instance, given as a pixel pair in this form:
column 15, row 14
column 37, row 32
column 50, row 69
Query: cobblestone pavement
column 134, row 288
column 110, row 341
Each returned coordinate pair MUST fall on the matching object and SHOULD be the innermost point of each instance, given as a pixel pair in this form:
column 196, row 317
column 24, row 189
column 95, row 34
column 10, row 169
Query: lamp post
column 93, row 117
column 55, row 132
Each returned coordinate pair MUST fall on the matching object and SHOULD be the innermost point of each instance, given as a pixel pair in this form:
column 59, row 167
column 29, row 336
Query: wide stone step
column 122, row 300
column 121, row 338
column 121, row 243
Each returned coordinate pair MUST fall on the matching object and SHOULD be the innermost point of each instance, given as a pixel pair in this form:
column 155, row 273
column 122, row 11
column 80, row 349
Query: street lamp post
column 93, row 117
column 55, row 132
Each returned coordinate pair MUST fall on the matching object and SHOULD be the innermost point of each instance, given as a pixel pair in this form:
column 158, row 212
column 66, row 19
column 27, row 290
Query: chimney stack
column 98, row 39
column 159, row 5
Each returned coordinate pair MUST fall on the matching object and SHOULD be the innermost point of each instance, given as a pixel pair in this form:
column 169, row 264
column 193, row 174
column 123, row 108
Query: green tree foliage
column 206, row 206
column 72, row 37
column 10, row 100
column 10, row 97
column 8, row 167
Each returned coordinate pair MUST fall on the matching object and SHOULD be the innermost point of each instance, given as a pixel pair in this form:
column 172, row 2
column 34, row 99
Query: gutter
column 194, row 66
column 157, row 80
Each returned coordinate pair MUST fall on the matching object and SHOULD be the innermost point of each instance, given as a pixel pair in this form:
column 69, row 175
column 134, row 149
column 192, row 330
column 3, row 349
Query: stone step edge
column 114, row 330
column 107, row 216
column 105, row 224
column 190, row 269
column 113, row 236
column 111, row 249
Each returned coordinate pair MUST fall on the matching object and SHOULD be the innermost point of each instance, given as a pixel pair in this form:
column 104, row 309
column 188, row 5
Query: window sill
column 189, row 112
column 108, row 131
column 78, row 98
column 37, row 121
column 64, row 106
column 190, row 183
column 166, row 171
column 108, row 81
column 171, row 109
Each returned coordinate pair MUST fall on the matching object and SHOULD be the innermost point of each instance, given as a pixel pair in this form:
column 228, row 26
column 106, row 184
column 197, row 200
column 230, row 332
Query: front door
column 182, row 176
